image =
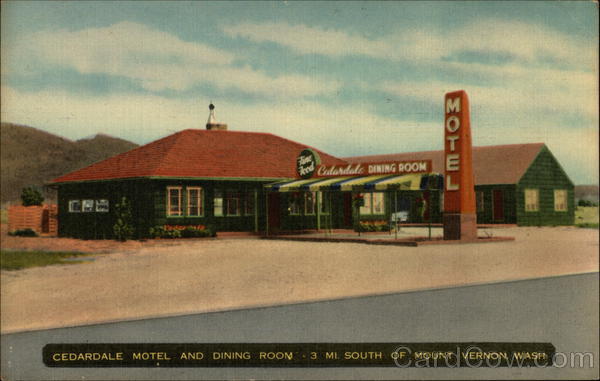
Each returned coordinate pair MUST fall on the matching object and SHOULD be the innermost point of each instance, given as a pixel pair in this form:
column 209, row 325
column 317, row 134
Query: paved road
column 561, row 310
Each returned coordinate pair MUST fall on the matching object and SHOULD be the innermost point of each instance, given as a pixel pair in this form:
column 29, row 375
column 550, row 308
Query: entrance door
column 274, row 211
column 347, row 209
column 498, row 205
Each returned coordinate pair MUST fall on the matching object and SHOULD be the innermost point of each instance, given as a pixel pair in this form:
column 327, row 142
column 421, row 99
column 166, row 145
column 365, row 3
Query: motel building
column 259, row 182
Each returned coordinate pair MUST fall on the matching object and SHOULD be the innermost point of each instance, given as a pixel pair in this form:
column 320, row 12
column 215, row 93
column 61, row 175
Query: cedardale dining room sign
column 387, row 168
column 307, row 166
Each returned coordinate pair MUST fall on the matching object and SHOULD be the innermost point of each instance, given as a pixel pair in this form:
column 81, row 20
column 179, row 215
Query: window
column 249, row 203
column 295, row 203
column 310, row 202
column 324, row 201
column 88, row 206
column 532, row 200
column 366, row 207
column 378, row 203
column 194, row 202
column 232, row 203
column 560, row 200
column 228, row 203
column 102, row 206
column 479, row 201
column 74, row 206
column 174, row 201
column 374, row 203
column 218, row 203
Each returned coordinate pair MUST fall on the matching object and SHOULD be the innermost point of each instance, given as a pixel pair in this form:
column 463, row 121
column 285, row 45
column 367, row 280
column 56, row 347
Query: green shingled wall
column 546, row 175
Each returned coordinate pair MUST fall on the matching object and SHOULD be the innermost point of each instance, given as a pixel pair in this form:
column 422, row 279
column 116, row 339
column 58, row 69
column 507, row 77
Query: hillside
column 29, row 156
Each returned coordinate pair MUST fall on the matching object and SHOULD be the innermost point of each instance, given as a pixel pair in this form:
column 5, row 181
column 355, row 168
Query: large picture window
column 195, row 202
column 560, row 200
column 174, row 201
column 532, row 200
column 374, row 203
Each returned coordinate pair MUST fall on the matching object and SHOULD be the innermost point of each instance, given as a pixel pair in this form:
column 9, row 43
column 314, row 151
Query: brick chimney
column 212, row 121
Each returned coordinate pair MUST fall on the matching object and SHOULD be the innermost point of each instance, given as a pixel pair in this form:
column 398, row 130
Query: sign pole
column 460, row 218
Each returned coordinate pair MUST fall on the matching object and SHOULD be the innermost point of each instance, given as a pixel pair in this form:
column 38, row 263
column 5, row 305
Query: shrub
column 123, row 228
column 586, row 203
column 31, row 197
column 589, row 225
column 23, row 233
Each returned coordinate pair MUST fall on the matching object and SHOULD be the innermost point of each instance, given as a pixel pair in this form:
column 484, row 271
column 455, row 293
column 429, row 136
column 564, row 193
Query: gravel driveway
column 163, row 278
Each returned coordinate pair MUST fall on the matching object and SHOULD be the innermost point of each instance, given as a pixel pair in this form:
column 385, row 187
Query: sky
column 349, row 78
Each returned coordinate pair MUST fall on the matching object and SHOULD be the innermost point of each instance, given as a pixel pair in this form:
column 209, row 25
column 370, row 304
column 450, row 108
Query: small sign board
column 306, row 163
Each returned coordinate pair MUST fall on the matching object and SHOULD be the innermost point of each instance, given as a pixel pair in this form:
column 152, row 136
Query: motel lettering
column 452, row 126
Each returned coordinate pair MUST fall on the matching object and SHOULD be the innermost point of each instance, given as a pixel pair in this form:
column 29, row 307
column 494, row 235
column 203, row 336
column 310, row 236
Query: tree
column 123, row 228
column 31, row 197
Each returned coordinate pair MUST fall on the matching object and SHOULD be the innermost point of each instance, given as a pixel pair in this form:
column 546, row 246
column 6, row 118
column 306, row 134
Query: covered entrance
column 336, row 202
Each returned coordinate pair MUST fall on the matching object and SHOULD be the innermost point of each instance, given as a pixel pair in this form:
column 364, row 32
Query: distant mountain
column 31, row 157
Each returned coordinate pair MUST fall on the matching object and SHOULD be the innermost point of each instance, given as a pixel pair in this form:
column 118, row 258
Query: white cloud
column 309, row 40
column 518, row 42
column 339, row 130
column 155, row 59
column 522, row 92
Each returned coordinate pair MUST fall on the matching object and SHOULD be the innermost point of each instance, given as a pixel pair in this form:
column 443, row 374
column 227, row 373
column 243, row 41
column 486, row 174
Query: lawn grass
column 17, row 260
column 586, row 217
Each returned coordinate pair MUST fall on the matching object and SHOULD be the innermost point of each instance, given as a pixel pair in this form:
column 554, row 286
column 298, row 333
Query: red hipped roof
column 236, row 154
column 503, row 164
column 203, row 153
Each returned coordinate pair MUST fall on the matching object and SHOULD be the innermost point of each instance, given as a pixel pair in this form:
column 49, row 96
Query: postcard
column 299, row 190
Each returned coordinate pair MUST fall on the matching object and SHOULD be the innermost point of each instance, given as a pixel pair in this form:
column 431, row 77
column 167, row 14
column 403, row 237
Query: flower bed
column 181, row 231
column 374, row 226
